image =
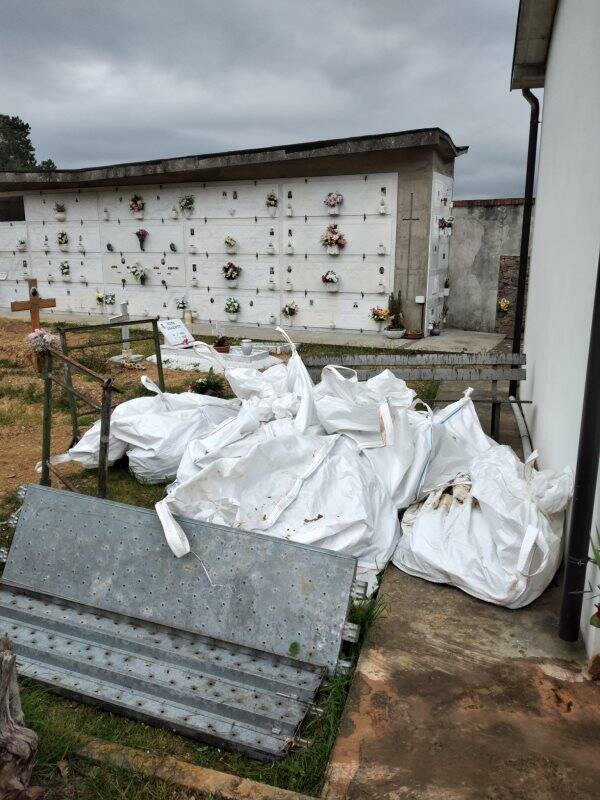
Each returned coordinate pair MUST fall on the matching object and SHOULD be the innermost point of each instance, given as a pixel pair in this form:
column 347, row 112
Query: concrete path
column 451, row 341
column 456, row 699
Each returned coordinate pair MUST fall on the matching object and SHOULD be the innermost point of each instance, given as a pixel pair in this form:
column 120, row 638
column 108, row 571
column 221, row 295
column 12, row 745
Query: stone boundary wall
column 484, row 259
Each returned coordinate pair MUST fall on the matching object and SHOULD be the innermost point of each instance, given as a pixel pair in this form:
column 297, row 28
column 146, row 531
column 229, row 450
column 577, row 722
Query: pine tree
column 16, row 150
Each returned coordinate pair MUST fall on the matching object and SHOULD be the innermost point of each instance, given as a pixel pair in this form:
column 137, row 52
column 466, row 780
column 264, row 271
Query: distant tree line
column 16, row 150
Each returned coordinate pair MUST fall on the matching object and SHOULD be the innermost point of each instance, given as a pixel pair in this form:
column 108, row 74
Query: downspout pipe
column 586, row 476
column 534, row 118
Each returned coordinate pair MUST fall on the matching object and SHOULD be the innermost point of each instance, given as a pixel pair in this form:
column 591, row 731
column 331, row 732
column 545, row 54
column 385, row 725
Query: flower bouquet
column 331, row 280
column 138, row 272
column 40, row 340
column 21, row 245
column 380, row 315
column 181, row 304
column 65, row 269
column 231, row 272
column 142, row 235
column 333, row 240
column 60, row 212
column 230, row 244
column 186, row 204
column 109, row 299
column 271, row 203
column 232, row 308
column 333, row 201
column 290, row 309
column 136, row 206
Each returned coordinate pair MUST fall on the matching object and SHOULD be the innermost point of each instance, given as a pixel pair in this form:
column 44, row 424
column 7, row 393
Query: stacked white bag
column 153, row 431
column 495, row 533
column 281, row 476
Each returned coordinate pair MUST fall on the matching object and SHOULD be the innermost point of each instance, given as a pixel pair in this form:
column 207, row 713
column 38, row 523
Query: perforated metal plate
column 280, row 597
column 99, row 609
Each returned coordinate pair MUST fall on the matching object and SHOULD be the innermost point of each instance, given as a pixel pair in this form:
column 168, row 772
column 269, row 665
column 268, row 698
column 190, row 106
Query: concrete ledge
column 181, row 773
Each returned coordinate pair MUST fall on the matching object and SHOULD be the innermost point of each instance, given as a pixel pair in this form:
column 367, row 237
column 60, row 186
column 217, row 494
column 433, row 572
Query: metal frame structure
column 105, row 408
column 67, row 348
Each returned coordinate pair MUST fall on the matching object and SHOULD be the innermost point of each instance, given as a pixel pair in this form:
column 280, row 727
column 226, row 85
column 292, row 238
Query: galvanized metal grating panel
column 277, row 596
column 205, row 696
column 99, row 609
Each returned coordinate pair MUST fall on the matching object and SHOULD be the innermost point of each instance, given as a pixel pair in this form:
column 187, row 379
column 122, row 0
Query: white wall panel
column 230, row 208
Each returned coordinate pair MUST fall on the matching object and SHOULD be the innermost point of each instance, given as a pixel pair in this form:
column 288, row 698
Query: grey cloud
column 103, row 82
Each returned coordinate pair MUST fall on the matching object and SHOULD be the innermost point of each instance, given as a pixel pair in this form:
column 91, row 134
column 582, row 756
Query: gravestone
column 175, row 332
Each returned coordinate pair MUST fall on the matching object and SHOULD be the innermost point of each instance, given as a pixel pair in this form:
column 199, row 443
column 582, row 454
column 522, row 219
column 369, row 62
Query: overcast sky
column 116, row 80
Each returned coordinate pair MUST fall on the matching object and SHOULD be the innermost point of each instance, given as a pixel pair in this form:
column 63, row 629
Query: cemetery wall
column 484, row 262
column 387, row 217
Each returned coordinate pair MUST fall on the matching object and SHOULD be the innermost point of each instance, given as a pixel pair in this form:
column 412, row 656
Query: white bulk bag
column 360, row 409
column 500, row 540
column 153, row 431
column 313, row 489
column 300, row 384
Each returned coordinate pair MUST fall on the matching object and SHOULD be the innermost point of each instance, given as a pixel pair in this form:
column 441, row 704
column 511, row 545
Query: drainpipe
column 586, row 476
column 528, row 205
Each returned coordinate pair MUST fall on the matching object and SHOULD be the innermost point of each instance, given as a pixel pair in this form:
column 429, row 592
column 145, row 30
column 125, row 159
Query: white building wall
column 566, row 244
column 184, row 256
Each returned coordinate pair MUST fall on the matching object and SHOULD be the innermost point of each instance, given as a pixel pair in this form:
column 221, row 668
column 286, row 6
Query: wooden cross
column 34, row 303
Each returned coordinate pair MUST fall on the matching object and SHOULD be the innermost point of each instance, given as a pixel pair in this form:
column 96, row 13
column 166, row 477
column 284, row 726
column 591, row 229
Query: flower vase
column 60, row 216
column 333, row 211
column 333, row 249
column 272, row 211
column 138, row 214
column 231, row 283
column 331, row 287
column 380, row 324
column 231, row 250
column 232, row 317
column 64, row 248
column 142, row 280
column 187, row 212
column 21, row 248
column 289, row 249
column 142, row 245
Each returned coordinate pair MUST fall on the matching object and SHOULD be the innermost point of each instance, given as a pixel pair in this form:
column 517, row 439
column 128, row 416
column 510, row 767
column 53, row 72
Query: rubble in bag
column 495, row 533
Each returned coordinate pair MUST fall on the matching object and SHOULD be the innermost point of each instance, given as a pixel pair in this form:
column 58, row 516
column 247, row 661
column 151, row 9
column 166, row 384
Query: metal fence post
column 159, row 366
column 104, row 437
column 47, row 419
column 69, row 381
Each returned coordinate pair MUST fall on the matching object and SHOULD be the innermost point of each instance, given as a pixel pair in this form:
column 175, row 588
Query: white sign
column 175, row 332
column 3, row 276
